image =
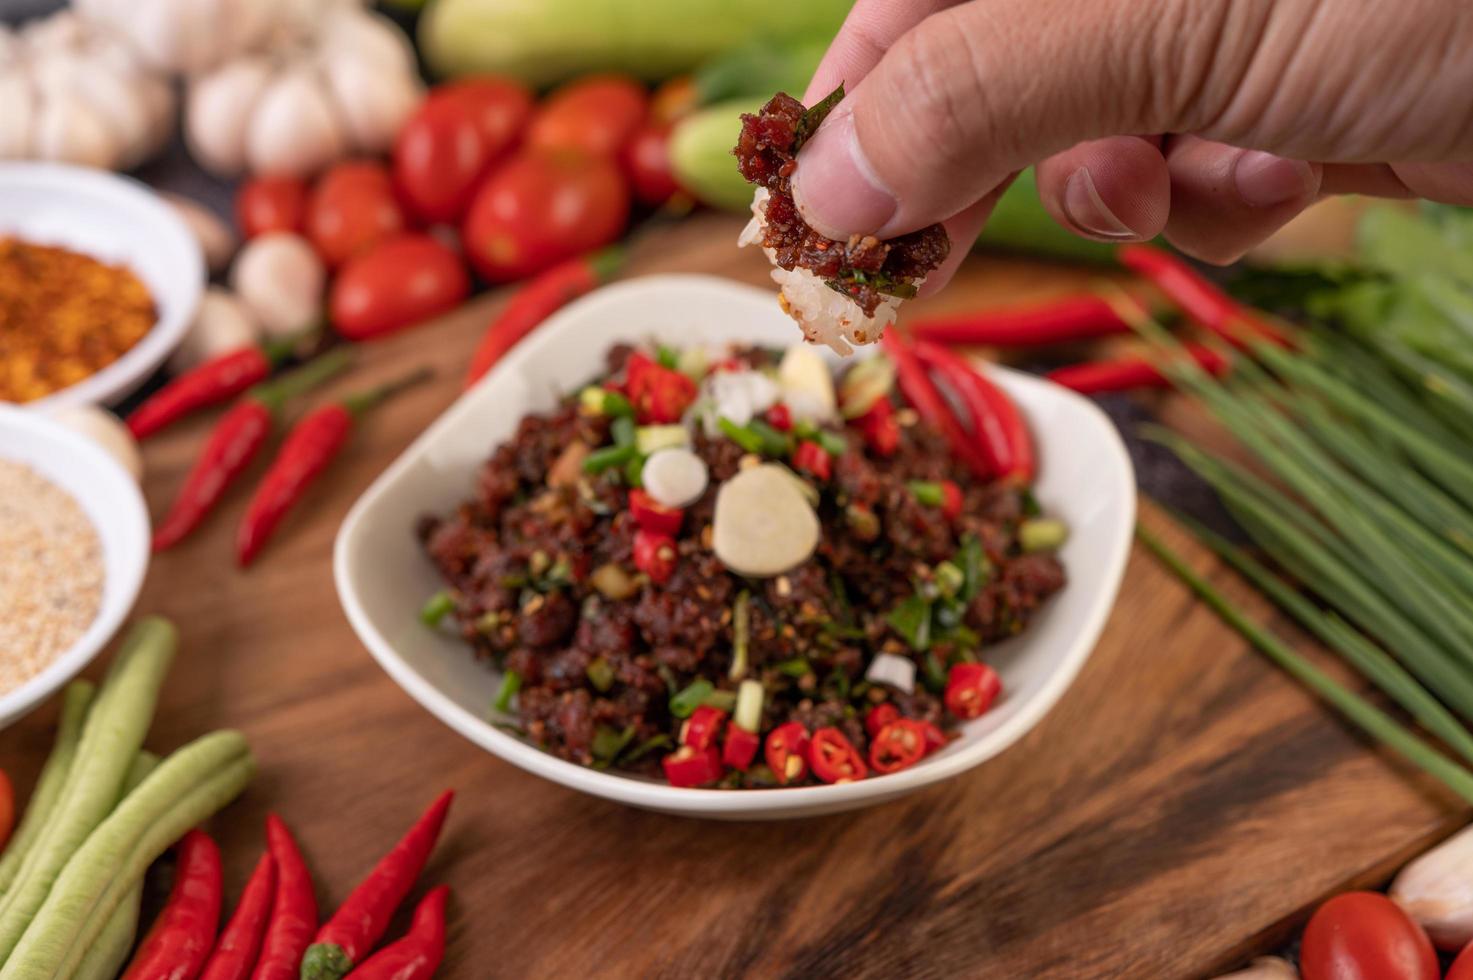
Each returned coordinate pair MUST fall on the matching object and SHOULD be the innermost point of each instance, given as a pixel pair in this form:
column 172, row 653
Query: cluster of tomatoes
column 480, row 174
column 1366, row 934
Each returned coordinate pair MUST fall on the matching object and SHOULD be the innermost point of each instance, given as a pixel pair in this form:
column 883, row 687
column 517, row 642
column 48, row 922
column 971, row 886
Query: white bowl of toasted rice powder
column 74, row 547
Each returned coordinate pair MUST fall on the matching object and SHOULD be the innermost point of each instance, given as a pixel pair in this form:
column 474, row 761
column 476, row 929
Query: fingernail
column 1265, row 180
column 1086, row 210
column 835, row 188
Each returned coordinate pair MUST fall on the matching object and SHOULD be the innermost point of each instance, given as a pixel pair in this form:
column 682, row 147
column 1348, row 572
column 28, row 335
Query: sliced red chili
column 660, row 395
column 834, row 757
column 934, row 736
column 899, row 745
column 653, row 516
column 971, row 689
column 878, row 428
column 687, row 766
column 878, row 717
column 787, row 752
column 780, row 417
column 951, row 500
column 654, row 554
column 812, row 458
column 701, row 730
column 740, row 749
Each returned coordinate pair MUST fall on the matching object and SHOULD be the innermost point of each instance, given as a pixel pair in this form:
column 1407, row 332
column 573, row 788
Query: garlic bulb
column 344, row 86
column 1264, row 968
column 74, row 92
column 108, row 431
column 280, row 280
column 1436, row 890
column 221, row 324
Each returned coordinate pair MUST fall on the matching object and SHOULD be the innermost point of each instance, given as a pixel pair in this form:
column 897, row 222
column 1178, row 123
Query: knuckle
column 946, row 100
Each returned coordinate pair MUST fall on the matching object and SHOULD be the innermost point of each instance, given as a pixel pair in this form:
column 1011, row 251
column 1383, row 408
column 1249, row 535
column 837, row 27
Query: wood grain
column 1181, row 809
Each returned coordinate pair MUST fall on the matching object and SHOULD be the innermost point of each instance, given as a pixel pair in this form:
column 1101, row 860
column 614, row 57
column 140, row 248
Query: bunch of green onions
column 1367, row 504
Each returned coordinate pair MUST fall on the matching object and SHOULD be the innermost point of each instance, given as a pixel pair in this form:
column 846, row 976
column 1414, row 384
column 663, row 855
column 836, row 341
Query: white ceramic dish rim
column 755, row 804
column 125, row 579
column 157, row 223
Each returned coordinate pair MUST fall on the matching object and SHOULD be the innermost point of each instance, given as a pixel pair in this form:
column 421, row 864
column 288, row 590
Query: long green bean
column 74, row 705
column 111, row 739
column 189, row 786
column 1370, row 718
column 104, row 959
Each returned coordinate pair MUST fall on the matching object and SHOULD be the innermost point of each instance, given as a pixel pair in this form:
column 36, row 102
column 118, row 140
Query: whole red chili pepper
column 180, row 940
column 997, row 425
column 235, row 954
column 311, row 445
column 1198, row 298
column 216, row 380
column 347, row 937
column 539, row 299
column 293, row 910
column 918, row 388
column 1057, row 321
column 1129, row 373
column 234, row 443
column 419, row 953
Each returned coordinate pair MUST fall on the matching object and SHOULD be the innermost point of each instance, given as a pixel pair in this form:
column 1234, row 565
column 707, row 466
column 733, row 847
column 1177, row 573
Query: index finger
column 869, row 30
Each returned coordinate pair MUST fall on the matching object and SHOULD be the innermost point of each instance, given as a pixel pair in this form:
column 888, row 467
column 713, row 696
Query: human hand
column 1271, row 104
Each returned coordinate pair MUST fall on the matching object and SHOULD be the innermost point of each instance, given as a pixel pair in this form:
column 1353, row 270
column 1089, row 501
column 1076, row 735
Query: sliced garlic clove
column 295, row 130
column 218, row 111
column 807, row 383
column 1436, row 890
column 763, row 526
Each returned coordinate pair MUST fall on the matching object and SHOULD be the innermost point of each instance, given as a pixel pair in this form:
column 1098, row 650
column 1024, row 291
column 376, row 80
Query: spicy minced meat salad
column 726, row 567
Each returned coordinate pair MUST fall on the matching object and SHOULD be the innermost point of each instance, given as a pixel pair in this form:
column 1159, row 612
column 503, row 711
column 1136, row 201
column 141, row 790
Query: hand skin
column 1268, row 105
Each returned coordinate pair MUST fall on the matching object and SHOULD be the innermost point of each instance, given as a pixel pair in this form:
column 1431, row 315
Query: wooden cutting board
column 1181, row 809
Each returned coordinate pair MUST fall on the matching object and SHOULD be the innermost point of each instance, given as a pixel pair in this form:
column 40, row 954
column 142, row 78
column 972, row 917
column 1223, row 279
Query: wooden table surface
column 1182, row 808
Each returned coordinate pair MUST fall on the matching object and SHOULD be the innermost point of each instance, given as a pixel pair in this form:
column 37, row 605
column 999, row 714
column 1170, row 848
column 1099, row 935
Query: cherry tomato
column 7, row 808
column 595, row 115
column 1462, row 968
column 646, row 160
column 654, row 554
column 540, row 208
column 439, row 157
column 1365, row 936
column 499, row 106
column 399, row 282
column 351, row 209
column 267, row 204
column 971, row 689
column 835, row 759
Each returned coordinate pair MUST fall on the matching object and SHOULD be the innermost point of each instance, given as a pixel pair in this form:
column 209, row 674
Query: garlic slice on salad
column 763, row 526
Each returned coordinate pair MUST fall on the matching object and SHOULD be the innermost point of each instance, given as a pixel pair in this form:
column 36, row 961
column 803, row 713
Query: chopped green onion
column 774, row 443
column 926, row 492
column 683, row 702
column 634, row 473
column 652, row 438
column 1042, row 534
column 436, row 608
column 602, row 401
column 646, row 747
column 950, row 579
column 748, row 713
column 721, row 700
column 600, row 674
column 693, row 362
column 591, row 399
column 608, row 458
column 740, row 434
column 797, row 667
column 511, row 683
column 667, row 357
column 912, row 620
column 488, row 621
column 831, row 442
column 976, row 569
column 933, row 673
column 607, row 743
column 741, row 628
column 862, row 521
column 623, row 431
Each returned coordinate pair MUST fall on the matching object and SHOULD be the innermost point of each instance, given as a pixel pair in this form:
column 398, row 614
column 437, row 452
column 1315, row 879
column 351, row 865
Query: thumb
column 966, row 98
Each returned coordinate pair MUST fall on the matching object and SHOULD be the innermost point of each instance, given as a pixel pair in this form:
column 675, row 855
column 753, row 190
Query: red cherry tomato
column 1365, row 936
column 399, row 282
column 646, row 160
column 439, row 158
column 267, row 204
column 499, row 106
column 351, row 209
column 595, row 115
column 1462, row 968
column 541, row 208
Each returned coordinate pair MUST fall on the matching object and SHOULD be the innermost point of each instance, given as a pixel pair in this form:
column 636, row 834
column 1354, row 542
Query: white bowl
column 111, row 500
column 114, row 219
column 383, row 577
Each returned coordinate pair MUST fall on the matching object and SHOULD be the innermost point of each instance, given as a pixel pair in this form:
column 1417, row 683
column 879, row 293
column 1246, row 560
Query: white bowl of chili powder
column 119, row 223
column 383, row 576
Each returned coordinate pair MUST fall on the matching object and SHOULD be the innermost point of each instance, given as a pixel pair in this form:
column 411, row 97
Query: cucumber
column 1020, row 224
column 542, row 42
column 761, row 67
column 701, row 157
